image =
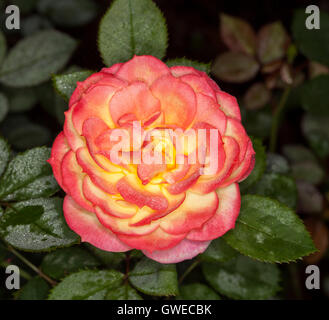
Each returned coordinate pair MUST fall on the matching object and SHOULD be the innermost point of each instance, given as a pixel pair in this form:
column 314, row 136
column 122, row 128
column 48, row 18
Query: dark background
column 193, row 27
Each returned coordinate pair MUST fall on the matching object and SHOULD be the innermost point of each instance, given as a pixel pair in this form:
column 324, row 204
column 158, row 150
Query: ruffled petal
column 179, row 71
column 143, row 68
column 123, row 226
column 207, row 184
column 157, row 240
column 178, row 101
column 199, row 85
column 103, row 179
column 135, row 101
column 74, row 139
column 83, row 86
column 185, row 250
column 72, row 180
column 209, row 112
column 228, row 104
column 192, row 214
column 112, row 205
column 113, row 69
column 94, row 105
column 243, row 170
column 224, row 218
column 236, row 130
column 87, row 226
column 59, row 149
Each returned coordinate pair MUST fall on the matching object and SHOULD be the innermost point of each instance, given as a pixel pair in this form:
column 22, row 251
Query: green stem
column 127, row 267
column 31, row 265
column 23, row 273
column 188, row 270
column 276, row 118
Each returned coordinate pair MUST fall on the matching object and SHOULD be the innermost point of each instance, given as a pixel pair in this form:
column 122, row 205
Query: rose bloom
column 171, row 211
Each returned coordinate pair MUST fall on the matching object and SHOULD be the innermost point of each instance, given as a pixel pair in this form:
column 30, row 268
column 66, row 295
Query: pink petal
column 87, row 226
column 185, row 250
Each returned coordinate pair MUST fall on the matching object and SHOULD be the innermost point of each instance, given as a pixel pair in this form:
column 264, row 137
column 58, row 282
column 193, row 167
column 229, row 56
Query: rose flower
column 119, row 198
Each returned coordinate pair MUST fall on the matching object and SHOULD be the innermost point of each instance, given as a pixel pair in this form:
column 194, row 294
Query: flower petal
column 179, row 71
column 236, row 130
column 224, row 218
column 178, row 101
column 135, row 100
column 157, row 240
column 229, row 105
column 72, row 180
column 199, row 85
column 59, row 149
column 185, row 250
column 93, row 105
column 73, row 138
column 123, row 226
column 241, row 172
column 206, row 184
column 87, row 226
column 192, row 214
column 143, row 68
column 110, row 204
column 83, row 86
column 103, row 179
column 209, row 112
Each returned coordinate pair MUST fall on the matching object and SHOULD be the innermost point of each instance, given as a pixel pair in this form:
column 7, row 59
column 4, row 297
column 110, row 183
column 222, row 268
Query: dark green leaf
column 205, row 67
column 110, row 259
column 34, row 289
column 24, row 216
column 197, row 291
column 4, row 106
column 269, row 231
column 21, row 100
column 314, row 43
column 52, row 102
column 28, row 176
column 124, row 292
column 275, row 163
column 62, row 262
column 35, row 58
column 154, row 278
column 23, row 134
column 132, row 27
column 259, row 167
column 235, row 67
column 237, row 34
column 315, row 95
column 257, row 122
column 69, row 13
column 219, row 251
column 277, row 186
column 243, row 278
column 273, row 42
column 33, row 24
column 86, row 285
column 65, row 84
column 4, row 155
column 25, row 227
